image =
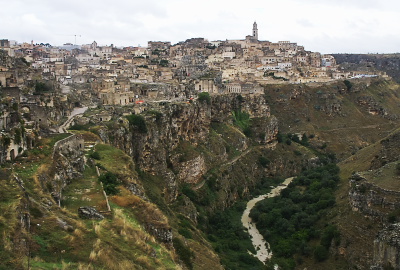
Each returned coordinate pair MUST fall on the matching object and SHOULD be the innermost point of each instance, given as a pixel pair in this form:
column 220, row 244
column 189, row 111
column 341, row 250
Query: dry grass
column 79, row 233
column 125, row 201
column 82, row 266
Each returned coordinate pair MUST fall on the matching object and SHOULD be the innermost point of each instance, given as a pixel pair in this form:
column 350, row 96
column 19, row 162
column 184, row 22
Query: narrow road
column 76, row 111
column 263, row 252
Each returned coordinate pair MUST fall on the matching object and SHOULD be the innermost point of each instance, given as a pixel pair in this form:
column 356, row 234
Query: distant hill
column 389, row 63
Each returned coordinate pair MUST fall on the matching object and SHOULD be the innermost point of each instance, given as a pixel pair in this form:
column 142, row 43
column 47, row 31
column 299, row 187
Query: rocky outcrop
column 265, row 129
column 163, row 234
column 387, row 248
column 390, row 151
column 371, row 200
column 88, row 212
column 373, row 107
column 191, row 171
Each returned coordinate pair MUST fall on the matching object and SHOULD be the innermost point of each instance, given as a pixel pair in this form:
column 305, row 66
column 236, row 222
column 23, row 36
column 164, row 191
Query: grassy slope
column 58, row 239
column 345, row 132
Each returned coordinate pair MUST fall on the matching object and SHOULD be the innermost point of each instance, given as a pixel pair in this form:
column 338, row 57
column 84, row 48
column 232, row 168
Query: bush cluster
column 289, row 222
column 110, row 183
column 204, row 96
column 137, row 121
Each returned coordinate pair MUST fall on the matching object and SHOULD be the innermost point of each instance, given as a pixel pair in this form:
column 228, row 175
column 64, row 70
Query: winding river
column 263, row 252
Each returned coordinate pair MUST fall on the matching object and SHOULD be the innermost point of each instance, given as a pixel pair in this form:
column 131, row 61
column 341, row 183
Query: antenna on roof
column 75, row 38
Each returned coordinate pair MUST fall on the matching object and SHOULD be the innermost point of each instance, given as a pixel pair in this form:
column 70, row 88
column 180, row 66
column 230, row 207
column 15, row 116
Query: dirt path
column 230, row 162
column 76, row 111
column 263, row 252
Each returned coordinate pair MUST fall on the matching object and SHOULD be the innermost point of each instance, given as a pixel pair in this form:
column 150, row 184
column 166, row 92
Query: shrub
column 137, row 121
column 348, row 84
column 320, row 253
column 17, row 136
column 184, row 253
column 95, row 155
column 6, row 141
column 157, row 114
column 263, row 161
column 185, row 232
column 297, row 153
column 15, row 106
column 41, row 87
column 242, row 120
column 189, row 192
column 205, row 96
column 110, row 183
column 279, row 137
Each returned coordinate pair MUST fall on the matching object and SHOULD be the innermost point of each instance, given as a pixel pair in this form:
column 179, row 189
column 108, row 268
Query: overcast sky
column 326, row 26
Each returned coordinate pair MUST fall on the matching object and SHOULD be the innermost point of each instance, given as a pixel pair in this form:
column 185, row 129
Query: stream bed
column 263, row 252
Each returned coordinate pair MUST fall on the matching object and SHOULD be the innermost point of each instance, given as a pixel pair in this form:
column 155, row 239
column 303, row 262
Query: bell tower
column 255, row 31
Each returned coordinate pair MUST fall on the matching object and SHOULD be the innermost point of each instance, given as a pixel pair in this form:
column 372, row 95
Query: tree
column 205, row 96
column 348, row 84
column 17, row 136
column 110, row 183
column 138, row 121
column 321, row 253
column 41, row 87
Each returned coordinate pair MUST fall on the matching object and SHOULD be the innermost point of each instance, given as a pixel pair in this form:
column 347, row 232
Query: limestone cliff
column 68, row 164
column 173, row 129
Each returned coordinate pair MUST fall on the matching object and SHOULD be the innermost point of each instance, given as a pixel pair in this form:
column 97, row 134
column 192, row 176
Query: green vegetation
column 110, row 183
column 204, row 96
column 293, row 222
column 95, row 155
column 288, row 138
column 227, row 235
column 242, row 120
column 17, row 136
column 263, row 161
column 183, row 252
column 157, row 114
column 5, row 140
column 138, row 122
column 348, row 84
column 41, row 87
column 164, row 63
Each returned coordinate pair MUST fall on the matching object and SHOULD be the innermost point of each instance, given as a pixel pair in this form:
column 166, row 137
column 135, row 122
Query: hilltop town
column 47, row 82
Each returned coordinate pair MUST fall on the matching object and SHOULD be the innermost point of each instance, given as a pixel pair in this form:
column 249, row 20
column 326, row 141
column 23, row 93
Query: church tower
column 255, row 31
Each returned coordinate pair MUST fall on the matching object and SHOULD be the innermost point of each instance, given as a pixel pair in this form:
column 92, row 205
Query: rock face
column 154, row 151
column 371, row 200
column 192, row 170
column 162, row 234
column 390, row 151
column 88, row 212
column 376, row 203
column 387, row 248
column 68, row 164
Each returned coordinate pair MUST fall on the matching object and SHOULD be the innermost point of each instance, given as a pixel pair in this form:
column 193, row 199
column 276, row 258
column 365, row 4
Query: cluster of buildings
column 122, row 76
